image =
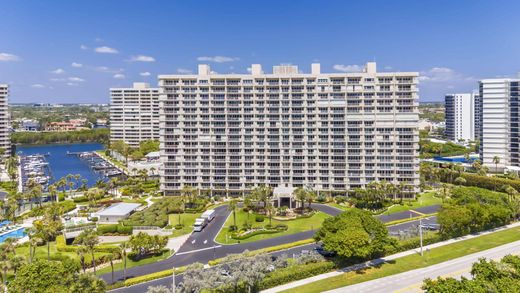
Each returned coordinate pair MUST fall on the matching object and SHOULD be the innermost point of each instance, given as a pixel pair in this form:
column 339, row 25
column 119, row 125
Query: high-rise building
column 477, row 115
column 330, row 131
column 134, row 114
column 499, row 123
column 460, row 116
column 5, row 138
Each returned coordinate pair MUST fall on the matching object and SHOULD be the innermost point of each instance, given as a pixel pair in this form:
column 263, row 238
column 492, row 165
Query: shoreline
column 59, row 143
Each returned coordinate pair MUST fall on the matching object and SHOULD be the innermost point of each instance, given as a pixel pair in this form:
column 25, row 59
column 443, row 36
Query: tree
column 496, row 161
column 148, row 146
column 262, row 193
column 158, row 289
column 81, row 252
column 487, row 276
column 123, row 247
column 301, row 195
column 311, row 196
column 143, row 244
column 354, row 234
column 511, row 192
column 232, row 206
column 47, row 229
column 110, row 257
column 89, row 239
column 42, row 276
column 460, row 181
column 87, row 283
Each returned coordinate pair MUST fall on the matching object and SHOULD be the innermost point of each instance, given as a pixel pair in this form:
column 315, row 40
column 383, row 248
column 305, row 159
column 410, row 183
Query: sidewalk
column 382, row 260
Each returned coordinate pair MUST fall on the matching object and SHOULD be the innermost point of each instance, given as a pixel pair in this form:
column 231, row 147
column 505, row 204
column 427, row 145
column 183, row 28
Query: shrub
column 259, row 218
column 61, row 246
column 153, row 276
column 295, row 272
column 178, row 226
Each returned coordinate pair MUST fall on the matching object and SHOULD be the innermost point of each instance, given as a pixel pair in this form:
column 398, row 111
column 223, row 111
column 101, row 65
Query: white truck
column 209, row 215
column 200, row 223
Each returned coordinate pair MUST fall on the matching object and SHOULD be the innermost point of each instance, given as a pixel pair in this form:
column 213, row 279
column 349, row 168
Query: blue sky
column 74, row 51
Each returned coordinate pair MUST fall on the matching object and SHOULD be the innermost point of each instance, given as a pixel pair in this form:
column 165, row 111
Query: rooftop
column 119, row 209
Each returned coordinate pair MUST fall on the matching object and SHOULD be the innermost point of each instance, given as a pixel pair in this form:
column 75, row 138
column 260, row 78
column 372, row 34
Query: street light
column 420, row 233
column 173, row 280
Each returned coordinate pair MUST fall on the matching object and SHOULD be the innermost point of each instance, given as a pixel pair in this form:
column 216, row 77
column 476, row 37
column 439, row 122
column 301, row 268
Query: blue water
column 62, row 164
column 455, row 160
column 13, row 234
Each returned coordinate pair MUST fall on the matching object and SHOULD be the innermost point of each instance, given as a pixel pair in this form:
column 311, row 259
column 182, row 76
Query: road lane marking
column 197, row 250
column 205, row 241
column 193, row 242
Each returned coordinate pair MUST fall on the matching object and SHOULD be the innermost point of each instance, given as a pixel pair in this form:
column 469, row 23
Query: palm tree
column 5, row 266
column 262, row 193
column 188, row 193
column 152, row 171
column 82, row 251
column 445, row 191
column 16, row 261
column 48, row 229
column 311, row 196
column 301, row 195
column 496, row 161
column 232, row 206
column 110, row 258
column 511, row 192
column 89, row 239
column 33, row 241
column 270, row 210
column 122, row 251
column 9, row 245
column 53, row 192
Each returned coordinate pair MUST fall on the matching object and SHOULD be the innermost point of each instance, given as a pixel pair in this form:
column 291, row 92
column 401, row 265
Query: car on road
column 200, row 223
column 325, row 252
column 209, row 215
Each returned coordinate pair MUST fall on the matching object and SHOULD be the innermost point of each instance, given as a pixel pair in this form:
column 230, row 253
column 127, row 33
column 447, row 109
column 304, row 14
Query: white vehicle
column 200, row 223
column 209, row 215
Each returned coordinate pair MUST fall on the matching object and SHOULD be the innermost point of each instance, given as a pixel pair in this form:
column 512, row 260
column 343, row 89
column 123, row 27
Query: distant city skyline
column 74, row 51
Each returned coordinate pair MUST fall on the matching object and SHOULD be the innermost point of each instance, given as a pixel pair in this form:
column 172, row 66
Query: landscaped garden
column 423, row 200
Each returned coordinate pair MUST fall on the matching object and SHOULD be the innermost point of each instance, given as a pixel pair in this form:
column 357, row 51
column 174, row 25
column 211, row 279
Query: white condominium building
column 460, row 116
column 331, row 131
column 5, row 139
column 499, row 122
column 134, row 114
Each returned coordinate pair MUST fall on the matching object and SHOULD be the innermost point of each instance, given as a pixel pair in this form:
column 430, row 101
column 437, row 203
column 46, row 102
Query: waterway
column 61, row 163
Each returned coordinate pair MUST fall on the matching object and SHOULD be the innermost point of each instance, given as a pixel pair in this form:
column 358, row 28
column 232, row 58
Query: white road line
column 193, row 242
column 197, row 250
column 205, row 241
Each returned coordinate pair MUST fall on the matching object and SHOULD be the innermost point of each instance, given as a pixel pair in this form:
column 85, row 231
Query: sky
column 74, row 51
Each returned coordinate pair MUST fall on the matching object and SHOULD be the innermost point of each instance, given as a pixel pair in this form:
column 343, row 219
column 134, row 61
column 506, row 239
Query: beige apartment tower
column 5, row 139
column 330, row 131
column 134, row 114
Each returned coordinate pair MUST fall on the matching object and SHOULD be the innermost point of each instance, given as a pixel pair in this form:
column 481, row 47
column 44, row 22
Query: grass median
column 412, row 262
column 293, row 226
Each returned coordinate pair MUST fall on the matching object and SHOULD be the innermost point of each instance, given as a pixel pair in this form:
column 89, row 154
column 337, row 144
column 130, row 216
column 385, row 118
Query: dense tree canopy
column 88, row 135
column 473, row 209
column 355, row 234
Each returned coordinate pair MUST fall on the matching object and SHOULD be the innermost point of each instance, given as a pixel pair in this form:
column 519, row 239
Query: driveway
column 200, row 246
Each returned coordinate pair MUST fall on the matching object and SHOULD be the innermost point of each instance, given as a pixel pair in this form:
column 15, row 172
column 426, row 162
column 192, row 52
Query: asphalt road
column 411, row 281
column 200, row 246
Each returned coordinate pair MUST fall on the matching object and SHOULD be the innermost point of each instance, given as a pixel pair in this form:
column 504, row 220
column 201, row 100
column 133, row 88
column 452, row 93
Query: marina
column 48, row 163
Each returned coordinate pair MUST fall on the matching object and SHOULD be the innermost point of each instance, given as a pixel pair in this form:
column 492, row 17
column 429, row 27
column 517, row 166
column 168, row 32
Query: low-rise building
column 116, row 212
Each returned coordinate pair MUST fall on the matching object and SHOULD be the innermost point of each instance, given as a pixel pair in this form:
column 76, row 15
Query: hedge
column 61, row 246
column 295, row 272
column 114, row 229
column 266, row 250
column 85, row 199
column 153, row 276
column 492, row 183
column 277, row 229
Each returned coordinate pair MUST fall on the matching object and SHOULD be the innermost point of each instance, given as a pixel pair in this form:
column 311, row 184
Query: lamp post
column 173, row 280
column 420, row 235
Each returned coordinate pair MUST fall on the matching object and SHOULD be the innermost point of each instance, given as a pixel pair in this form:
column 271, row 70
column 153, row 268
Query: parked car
column 325, row 252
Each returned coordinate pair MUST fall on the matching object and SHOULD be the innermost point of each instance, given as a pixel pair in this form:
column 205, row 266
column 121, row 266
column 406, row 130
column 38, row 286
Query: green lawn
column 415, row 261
column 187, row 220
column 426, row 199
column 130, row 263
column 339, row 206
column 294, row 226
column 41, row 252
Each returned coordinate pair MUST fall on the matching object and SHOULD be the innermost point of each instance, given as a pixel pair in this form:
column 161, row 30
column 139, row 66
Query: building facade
column 477, row 115
column 330, row 131
column 460, row 117
column 499, row 123
column 134, row 114
column 5, row 138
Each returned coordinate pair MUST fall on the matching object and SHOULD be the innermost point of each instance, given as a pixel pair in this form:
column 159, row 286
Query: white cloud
column 249, row 69
column 436, row 82
column 348, row 68
column 145, row 73
column 58, row 71
column 77, row 65
column 6, row 57
column 217, row 59
column 183, row 71
column 38, row 86
column 58, row 79
column 107, row 69
column 76, row 79
column 142, row 58
column 83, row 47
column 443, row 74
column 119, row 76
column 71, row 84
column 106, row 50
